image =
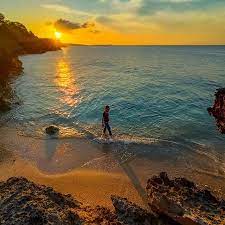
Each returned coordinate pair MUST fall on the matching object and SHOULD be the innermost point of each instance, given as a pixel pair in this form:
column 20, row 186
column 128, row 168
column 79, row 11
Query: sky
column 122, row 22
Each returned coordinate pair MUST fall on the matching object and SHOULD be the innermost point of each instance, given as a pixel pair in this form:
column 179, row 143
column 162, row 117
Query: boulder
column 24, row 203
column 132, row 214
column 4, row 105
column 172, row 202
column 183, row 201
column 51, row 130
column 218, row 109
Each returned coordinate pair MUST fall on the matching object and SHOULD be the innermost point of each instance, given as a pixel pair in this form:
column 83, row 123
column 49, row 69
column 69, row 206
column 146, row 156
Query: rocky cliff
column 218, row 109
column 171, row 202
column 184, row 202
column 16, row 40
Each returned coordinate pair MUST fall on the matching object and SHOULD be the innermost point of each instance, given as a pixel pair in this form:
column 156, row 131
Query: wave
column 192, row 155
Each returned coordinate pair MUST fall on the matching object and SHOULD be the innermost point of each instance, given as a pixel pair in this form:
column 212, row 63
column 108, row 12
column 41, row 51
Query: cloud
column 177, row 1
column 153, row 6
column 167, row 21
column 58, row 7
column 66, row 25
column 65, row 9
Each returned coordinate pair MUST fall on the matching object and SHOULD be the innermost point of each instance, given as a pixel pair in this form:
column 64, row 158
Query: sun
column 58, row 35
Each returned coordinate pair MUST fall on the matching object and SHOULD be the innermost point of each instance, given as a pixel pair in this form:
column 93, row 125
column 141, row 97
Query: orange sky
column 126, row 22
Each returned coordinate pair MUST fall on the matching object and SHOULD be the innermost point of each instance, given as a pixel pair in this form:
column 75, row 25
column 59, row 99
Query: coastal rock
column 24, row 203
column 183, row 201
column 130, row 213
column 9, row 63
column 172, row 202
column 218, row 109
column 16, row 40
column 4, row 105
column 51, row 130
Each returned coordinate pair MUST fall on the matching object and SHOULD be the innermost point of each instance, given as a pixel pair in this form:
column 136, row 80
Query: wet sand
column 88, row 186
column 91, row 172
column 69, row 166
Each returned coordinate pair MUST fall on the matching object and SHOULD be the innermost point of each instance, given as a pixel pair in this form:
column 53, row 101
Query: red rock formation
column 218, row 109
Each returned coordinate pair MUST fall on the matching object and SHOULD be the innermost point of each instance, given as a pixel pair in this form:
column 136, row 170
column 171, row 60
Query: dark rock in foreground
column 184, row 202
column 218, row 109
column 172, row 202
column 130, row 213
column 25, row 203
column 4, row 104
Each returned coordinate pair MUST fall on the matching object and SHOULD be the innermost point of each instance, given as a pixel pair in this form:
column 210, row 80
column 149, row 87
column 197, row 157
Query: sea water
column 158, row 96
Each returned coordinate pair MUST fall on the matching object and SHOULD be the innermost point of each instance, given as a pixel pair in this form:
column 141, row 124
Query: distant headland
column 16, row 40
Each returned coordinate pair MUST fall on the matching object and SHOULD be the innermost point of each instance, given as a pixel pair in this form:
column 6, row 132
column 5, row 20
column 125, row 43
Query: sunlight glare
column 58, row 35
column 66, row 83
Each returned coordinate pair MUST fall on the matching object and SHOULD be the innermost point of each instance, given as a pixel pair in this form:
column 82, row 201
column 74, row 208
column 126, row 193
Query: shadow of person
column 51, row 146
column 128, row 170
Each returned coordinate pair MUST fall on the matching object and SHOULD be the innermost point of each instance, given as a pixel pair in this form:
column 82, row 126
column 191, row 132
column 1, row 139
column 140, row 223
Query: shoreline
column 120, row 190
column 89, row 186
column 63, row 200
column 63, row 159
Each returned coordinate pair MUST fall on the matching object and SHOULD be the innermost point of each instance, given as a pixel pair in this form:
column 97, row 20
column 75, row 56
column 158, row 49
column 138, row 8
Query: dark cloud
column 88, row 25
column 66, row 25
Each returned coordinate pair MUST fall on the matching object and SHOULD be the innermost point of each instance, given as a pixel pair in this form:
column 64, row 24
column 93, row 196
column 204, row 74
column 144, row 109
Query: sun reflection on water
column 66, row 83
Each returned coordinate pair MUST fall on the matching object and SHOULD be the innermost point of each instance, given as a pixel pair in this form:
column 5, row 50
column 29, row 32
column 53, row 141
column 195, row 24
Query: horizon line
column 75, row 44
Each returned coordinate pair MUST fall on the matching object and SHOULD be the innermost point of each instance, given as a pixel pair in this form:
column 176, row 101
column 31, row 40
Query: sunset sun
column 58, row 35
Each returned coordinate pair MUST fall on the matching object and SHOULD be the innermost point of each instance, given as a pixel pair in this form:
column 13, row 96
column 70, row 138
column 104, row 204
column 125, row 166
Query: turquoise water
column 158, row 95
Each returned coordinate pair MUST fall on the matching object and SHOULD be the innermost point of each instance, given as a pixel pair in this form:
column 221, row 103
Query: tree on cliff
column 15, row 39
column 2, row 17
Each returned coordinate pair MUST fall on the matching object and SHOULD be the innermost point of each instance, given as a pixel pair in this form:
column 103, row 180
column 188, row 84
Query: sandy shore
column 88, row 186
column 71, row 166
column 90, row 172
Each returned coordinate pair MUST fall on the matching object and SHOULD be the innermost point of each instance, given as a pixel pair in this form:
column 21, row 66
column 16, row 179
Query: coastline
column 73, row 165
column 16, row 41
column 89, row 198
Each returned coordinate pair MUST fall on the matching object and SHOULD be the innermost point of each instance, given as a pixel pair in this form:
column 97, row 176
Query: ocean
column 158, row 97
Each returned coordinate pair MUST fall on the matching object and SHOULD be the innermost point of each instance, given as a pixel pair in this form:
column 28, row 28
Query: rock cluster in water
column 218, row 109
column 172, row 202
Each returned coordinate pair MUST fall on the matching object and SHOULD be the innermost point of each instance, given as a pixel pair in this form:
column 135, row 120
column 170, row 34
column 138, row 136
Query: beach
column 88, row 185
column 91, row 173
